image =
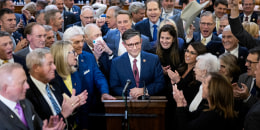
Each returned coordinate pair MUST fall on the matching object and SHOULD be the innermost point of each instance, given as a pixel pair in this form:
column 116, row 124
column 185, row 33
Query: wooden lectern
column 142, row 114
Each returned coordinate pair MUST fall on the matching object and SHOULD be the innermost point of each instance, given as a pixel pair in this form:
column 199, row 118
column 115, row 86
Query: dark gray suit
column 247, row 80
column 22, row 53
column 177, row 19
column 9, row 120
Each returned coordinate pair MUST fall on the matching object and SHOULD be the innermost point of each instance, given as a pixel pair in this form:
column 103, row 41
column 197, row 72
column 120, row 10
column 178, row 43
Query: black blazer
column 38, row 101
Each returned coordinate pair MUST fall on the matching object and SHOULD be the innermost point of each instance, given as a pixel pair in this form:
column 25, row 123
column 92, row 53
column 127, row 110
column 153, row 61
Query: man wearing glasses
column 246, row 89
column 207, row 25
column 143, row 69
column 248, row 14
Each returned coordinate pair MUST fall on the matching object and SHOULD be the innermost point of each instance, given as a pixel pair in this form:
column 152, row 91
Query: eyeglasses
column 131, row 45
column 73, row 52
column 191, row 52
column 204, row 24
column 250, row 62
column 249, row 4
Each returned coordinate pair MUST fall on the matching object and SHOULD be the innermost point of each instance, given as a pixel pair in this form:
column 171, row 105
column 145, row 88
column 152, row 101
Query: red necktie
column 136, row 73
column 246, row 19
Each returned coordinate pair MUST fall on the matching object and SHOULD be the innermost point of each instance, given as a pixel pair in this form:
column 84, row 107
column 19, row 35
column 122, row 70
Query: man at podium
column 141, row 68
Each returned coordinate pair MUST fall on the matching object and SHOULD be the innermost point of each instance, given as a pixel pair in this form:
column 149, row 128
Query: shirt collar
column 9, row 61
column 138, row 58
column 234, row 51
column 10, row 104
column 157, row 23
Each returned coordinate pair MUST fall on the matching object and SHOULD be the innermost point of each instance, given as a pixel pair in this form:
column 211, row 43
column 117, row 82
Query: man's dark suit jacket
column 254, row 17
column 253, row 118
column 74, row 24
column 217, row 48
column 69, row 18
column 41, row 106
column 242, row 35
column 151, row 74
column 144, row 28
column 9, row 120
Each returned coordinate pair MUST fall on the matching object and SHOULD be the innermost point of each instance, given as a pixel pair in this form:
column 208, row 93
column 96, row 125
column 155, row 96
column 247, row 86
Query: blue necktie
column 253, row 90
column 53, row 102
column 154, row 32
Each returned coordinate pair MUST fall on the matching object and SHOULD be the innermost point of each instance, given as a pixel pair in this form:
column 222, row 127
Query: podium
column 142, row 114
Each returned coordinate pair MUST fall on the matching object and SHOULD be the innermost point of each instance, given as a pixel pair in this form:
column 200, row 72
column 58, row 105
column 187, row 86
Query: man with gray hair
column 50, row 39
column 16, row 111
column 137, row 11
column 90, row 75
column 111, row 16
column 95, row 44
column 168, row 9
column 206, row 35
column 86, row 17
column 45, row 92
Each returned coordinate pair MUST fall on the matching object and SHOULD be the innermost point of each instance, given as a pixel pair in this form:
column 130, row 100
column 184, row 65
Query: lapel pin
column 11, row 116
column 253, row 19
column 75, row 84
column 82, row 60
column 144, row 60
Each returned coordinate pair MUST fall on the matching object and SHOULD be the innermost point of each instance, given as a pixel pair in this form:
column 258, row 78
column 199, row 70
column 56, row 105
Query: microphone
column 128, row 82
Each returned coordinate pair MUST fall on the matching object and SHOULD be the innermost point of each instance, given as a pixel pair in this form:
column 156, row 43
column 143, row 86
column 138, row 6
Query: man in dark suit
column 68, row 17
column 16, row 111
column 8, row 24
column 206, row 35
column 137, row 11
column 179, row 22
column 35, row 34
column 150, row 26
column 44, row 93
column 113, row 38
column 91, row 77
column 143, row 69
column 86, row 17
column 230, row 45
column 248, row 14
column 6, row 55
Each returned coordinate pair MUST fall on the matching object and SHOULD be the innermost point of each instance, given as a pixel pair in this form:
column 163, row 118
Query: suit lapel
column 28, row 115
column 11, row 116
column 147, row 31
column 129, row 71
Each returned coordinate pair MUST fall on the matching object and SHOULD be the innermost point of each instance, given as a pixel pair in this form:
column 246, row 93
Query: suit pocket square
column 33, row 117
column 87, row 71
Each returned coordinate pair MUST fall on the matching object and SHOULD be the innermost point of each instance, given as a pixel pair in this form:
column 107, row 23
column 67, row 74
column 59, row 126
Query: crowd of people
column 59, row 61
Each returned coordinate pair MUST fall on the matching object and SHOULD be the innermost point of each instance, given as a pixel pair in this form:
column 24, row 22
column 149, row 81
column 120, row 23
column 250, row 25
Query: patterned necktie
column 20, row 113
column 154, row 32
column 53, row 102
column 218, row 24
column 246, row 19
column 136, row 73
column 5, row 61
column 203, row 41
column 58, row 36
